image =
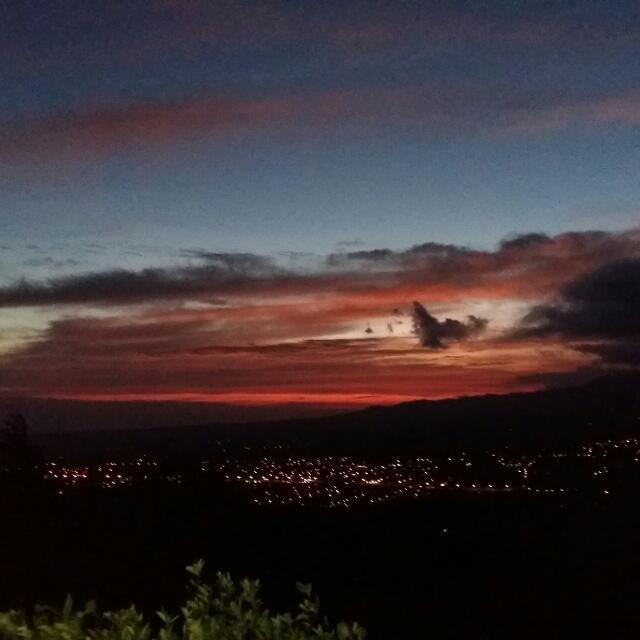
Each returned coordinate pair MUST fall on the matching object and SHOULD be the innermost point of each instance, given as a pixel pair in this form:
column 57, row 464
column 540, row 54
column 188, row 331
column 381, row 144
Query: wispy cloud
column 564, row 113
column 425, row 110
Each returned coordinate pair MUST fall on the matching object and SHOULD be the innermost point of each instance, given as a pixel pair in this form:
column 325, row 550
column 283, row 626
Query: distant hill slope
column 605, row 408
column 50, row 415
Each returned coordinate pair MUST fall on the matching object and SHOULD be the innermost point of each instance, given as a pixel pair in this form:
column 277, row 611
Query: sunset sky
column 316, row 204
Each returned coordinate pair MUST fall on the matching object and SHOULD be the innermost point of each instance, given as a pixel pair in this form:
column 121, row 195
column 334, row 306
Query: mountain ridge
column 606, row 407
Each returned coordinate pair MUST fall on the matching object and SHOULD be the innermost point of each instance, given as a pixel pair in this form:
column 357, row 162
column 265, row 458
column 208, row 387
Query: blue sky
column 387, row 177
column 310, row 195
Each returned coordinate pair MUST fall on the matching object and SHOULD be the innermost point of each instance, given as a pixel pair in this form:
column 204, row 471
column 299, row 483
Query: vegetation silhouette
column 227, row 609
column 20, row 459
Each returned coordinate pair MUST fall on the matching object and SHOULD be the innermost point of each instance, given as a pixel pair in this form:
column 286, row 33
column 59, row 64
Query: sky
column 317, row 205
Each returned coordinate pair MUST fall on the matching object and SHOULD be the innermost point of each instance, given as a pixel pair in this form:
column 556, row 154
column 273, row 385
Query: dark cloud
column 373, row 255
column 109, row 287
column 435, row 334
column 234, row 263
column 622, row 352
column 526, row 266
column 603, row 306
column 560, row 379
column 214, row 271
column 51, row 263
column 349, row 244
column 524, row 241
column 437, row 249
column 389, row 257
column 363, row 259
column 604, row 303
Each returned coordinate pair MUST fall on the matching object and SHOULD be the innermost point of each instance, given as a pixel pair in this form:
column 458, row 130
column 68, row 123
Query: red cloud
column 152, row 124
column 107, row 359
column 261, row 346
column 146, row 126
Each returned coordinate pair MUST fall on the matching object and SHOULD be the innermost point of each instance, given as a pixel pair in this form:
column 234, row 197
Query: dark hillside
column 605, row 408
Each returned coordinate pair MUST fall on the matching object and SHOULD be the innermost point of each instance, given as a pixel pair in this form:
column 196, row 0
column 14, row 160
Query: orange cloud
column 106, row 359
column 261, row 333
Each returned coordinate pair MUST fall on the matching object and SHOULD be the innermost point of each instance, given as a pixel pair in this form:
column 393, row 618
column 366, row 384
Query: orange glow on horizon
column 328, row 400
column 326, row 374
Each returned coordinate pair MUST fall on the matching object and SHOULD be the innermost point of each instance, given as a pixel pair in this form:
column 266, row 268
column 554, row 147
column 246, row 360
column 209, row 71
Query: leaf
column 195, row 569
column 68, row 606
column 227, row 610
column 166, row 617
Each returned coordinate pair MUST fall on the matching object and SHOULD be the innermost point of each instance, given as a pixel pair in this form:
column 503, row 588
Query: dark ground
column 508, row 566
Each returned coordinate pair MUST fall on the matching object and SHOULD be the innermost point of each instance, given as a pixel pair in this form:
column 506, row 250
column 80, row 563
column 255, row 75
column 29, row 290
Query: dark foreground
column 445, row 566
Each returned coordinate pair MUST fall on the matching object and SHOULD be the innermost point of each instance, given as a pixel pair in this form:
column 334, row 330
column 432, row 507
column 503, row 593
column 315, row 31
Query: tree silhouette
column 17, row 453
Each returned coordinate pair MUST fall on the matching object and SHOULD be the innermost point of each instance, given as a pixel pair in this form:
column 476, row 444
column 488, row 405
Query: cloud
column 524, row 241
column 180, row 353
column 620, row 352
column 147, row 125
column 213, row 271
column 435, row 334
column 559, row 379
column 350, row 34
column 371, row 282
column 108, row 287
column 150, row 125
column 239, row 264
column 349, row 244
column 601, row 305
column 220, row 324
column 548, row 116
column 51, row 263
column 244, row 328
column 446, row 27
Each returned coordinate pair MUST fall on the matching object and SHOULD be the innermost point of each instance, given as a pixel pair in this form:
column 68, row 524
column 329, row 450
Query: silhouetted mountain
column 605, row 408
column 49, row 415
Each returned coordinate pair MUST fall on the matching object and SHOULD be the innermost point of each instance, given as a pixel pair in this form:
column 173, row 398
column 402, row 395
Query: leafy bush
column 226, row 611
